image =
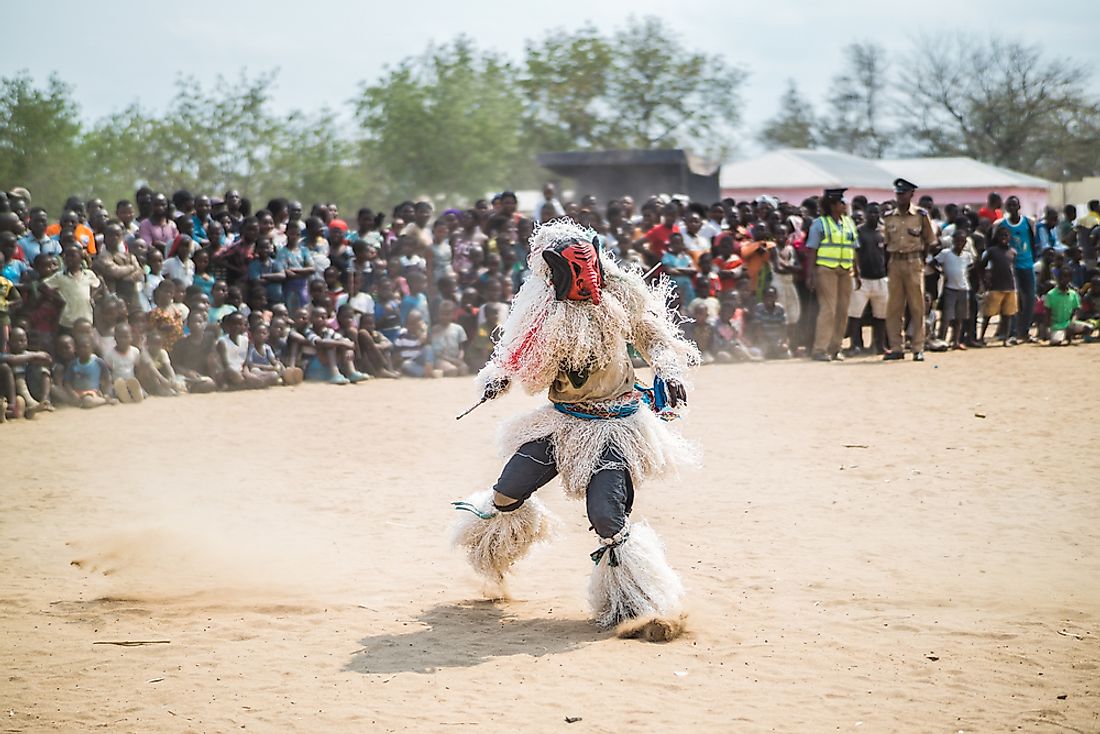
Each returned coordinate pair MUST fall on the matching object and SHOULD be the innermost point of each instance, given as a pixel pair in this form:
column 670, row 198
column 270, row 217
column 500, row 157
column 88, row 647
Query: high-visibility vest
column 838, row 243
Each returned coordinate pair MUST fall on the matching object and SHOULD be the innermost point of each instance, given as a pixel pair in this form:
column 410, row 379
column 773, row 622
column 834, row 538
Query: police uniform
column 835, row 243
column 908, row 235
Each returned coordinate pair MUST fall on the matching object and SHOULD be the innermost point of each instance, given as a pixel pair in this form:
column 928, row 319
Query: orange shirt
column 83, row 233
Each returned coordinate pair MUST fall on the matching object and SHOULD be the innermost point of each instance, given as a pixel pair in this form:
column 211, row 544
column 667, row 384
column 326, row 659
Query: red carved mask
column 575, row 270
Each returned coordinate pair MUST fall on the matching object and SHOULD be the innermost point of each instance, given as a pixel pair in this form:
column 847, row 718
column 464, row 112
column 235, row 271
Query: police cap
column 901, row 186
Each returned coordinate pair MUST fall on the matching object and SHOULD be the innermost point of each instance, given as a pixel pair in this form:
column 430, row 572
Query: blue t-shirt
column 198, row 229
column 682, row 282
column 32, row 248
column 256, row 268
column 416, row 301
column 14, row 269
column 85, row 375
column 1020, row 239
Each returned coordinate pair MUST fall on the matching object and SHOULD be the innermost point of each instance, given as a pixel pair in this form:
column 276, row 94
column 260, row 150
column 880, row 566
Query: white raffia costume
column 577, row 351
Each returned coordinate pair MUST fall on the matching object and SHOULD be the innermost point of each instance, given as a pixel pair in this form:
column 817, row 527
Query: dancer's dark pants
column 610, row 494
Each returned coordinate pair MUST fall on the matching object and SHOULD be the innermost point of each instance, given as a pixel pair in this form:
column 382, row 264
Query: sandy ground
column 862, row 551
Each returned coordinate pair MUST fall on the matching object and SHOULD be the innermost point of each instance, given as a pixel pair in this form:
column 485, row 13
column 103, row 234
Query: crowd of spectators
column 169, row 295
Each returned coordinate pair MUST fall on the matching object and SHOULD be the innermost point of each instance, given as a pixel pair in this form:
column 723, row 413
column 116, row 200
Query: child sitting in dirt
column 64, row 353
column 261, row 358
column 29, row 378
column 334, row 355
column 413, row 349
column 447, row 342
column 193, row 356
column 87, row 377
column 232, row 350
column 122, row 359
column 155, row 371
column 377, row 350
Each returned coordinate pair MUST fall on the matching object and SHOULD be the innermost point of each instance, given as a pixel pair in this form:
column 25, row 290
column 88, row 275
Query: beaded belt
column 625, row 405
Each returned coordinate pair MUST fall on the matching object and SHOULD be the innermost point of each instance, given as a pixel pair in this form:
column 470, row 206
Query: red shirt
column 991, row 214
column 733, row 263
column 658, row 238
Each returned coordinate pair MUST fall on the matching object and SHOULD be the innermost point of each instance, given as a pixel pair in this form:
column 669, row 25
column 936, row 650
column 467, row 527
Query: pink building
column 794, row 174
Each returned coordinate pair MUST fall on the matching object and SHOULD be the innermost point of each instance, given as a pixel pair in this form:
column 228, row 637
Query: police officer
column 908, row 233
column 831, row 243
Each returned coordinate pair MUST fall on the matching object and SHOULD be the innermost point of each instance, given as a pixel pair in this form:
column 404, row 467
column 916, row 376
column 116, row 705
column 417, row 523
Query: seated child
column 193, row 356
column 1063, row 303
column 770, row 320
column 261, row 358
column 65, row 352
column 155, row 372
column 87, row 377
column 232, row 350
column 30, row 376
column 123, row 360
column 730, row 331
column 111, row 313
column 701, row 329
column 481, row 345
column 334, row 355
column 413, row 349
column 376, row 349
column 447, row 341
column 164, row 318
column 298, row 351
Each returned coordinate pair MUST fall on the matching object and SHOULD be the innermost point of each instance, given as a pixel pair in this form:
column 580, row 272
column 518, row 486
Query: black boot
column 855, row 336
column 878, row 335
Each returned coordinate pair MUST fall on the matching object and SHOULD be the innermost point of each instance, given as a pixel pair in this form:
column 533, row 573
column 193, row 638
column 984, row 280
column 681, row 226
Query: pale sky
column 122, row 51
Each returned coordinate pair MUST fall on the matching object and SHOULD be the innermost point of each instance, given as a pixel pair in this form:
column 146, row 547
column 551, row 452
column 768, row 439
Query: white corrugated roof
column 801, row 168
column 949, row 173
column 797, row 167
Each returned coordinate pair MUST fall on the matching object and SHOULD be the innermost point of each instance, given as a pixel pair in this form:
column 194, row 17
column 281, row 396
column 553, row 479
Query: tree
column 1003, row 102
column 640, row 87
column 312, row 161
column 39, row 139
column 793, row 126
column 564, row 81
column 444, row 124
column 856, row 103
column 664, row 95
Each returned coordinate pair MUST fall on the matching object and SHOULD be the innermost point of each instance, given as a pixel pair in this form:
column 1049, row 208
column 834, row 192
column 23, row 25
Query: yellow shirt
column 5, row 289
column 76, row 290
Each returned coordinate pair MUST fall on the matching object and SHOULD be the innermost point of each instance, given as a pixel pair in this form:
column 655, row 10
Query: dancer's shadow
column 466, row 634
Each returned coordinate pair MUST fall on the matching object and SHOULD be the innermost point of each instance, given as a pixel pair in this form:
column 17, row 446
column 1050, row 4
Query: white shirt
column 955, row 268
column 176, row 269
column 559, row 210
column 710, row 229
column 122, row 365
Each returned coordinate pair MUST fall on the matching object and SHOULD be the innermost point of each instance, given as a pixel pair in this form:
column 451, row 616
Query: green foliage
column 564, row 84
column 663, row 95
column 39, row 138
column 443, row 125
column 857, row 103
column 639, row 87
column 794, row 124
